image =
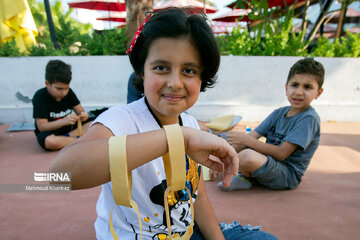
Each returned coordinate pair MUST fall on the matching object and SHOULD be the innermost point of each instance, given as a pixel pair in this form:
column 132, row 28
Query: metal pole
column 108, row 6
column 51, row 24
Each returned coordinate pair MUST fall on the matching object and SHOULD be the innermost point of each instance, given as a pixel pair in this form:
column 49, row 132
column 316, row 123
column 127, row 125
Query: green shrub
column 109, row 42
column 286, row 43
column 348, row 46
column 273, row 36
column 9, row 49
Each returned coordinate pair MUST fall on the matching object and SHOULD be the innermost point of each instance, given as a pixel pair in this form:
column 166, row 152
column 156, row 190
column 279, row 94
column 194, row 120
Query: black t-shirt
column 45, row 106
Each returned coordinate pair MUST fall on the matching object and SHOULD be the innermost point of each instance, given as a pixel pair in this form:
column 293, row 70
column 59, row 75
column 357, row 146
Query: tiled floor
column 325, row 206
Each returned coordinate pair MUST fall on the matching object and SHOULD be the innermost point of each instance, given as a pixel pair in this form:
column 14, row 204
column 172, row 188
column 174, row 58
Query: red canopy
column 234, row 15
column 352, row 16
column 272, row 3
column 354, row 30
column 105, row 5
column 114, row 17
column 186, row 3
column 224, row 27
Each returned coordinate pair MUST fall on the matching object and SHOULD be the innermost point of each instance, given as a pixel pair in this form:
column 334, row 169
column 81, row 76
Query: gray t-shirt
column 302, row 129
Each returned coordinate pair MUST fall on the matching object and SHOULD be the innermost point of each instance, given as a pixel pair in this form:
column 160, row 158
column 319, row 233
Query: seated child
column 55, row 124
column 292, row 135
column 133, row 94
column 176, row 56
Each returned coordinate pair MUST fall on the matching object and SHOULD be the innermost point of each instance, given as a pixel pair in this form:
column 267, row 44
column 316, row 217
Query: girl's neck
column 164, row 121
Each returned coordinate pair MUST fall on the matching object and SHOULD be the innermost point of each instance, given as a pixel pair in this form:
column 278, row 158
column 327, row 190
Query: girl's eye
column 189, row 71
column 160, row 68
column 294, row 84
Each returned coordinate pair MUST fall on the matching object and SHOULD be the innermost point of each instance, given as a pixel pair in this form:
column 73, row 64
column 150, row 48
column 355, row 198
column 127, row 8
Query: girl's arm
column 279, row 152
column 205, row 216
column 88, row 157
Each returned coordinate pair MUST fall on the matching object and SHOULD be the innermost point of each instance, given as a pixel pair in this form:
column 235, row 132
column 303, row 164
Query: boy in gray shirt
column 292, row 135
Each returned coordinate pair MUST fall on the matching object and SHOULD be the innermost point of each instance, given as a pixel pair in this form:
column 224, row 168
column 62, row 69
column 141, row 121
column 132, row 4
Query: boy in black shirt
column 55, row 124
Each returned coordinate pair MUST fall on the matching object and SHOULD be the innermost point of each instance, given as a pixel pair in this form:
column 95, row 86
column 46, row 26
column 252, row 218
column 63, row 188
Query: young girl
column 175, row 55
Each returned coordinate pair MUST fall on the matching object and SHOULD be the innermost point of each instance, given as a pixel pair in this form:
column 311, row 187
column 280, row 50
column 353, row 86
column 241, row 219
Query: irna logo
column 52, row 177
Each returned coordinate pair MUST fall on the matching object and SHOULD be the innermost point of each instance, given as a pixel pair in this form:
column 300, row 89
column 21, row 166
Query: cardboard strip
column 175, row 167
column 79, row 127
column 175, row 170
column 121, row 179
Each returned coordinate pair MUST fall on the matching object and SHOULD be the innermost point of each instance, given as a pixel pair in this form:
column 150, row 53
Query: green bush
column 271, row 37
column 73, row 37
column 9, row 49
column 345, row 47
column 109, row 42
column 286, row 43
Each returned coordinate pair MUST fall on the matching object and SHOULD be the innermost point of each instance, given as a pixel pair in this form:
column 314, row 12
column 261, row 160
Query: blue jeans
column 235, row 231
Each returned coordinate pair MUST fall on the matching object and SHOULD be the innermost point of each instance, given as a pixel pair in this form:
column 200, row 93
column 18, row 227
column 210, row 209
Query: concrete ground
column 326, row 205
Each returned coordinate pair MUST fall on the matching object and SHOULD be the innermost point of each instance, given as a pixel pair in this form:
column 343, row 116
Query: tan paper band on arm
column 175, row 170
column 121, row 179
column 175, row 166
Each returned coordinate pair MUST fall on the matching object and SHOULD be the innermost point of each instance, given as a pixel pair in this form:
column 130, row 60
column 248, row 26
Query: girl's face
column 172, row 77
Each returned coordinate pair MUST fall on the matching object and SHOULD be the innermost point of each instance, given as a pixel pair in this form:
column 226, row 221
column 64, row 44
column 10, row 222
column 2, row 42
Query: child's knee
column 250, row 160
column 245, row 158
column 51, row 143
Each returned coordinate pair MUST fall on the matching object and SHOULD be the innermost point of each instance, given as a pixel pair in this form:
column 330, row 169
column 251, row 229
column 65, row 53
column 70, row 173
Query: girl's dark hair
column 58, row 71
column 174, row 23
column 309, row 66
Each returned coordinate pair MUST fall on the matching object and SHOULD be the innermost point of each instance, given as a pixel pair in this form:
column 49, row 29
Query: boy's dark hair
column 58, row 71
column 174, row 23
column 309, row 66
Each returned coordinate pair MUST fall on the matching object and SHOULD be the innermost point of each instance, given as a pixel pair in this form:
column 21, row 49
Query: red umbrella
column 105, row 5
column 114, row 17
column 327, row 28
column 234, row 15
column 271, row 3
column 121, row 25
column 185, row 3
column 224, row 27
column 354, row 30
column 352, row 16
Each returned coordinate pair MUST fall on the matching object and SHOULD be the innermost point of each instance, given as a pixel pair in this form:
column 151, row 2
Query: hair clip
column 137, row 34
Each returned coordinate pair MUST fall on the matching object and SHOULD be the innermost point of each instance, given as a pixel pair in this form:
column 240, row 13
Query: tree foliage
column 272, row 35
column 73, row 37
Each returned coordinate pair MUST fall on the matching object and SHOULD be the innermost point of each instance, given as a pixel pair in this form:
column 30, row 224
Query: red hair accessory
column 137, row 34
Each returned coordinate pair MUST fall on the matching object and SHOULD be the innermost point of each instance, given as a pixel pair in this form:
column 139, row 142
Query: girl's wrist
column 186, row 135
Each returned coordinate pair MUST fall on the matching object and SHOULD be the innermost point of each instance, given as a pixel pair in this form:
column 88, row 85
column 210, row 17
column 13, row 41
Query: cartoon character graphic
column 178, row 201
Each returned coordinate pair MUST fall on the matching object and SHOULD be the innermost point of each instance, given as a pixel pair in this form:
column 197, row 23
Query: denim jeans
column 235, row 231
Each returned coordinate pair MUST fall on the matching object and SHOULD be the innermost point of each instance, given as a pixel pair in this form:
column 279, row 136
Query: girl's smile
column 172, row 80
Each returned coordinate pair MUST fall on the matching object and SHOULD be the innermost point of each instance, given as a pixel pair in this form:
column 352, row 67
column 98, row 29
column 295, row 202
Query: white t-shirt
column 148, row 183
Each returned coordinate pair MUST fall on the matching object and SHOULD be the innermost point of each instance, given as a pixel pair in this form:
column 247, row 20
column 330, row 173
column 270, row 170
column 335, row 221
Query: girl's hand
column 199, row 145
